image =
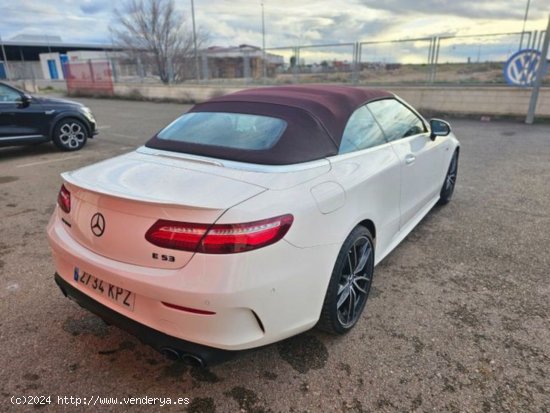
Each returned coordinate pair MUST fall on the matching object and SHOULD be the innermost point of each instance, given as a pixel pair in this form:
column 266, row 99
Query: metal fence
column 89, row 77
column 452, row 60
column 409, row 61
column 458, row 60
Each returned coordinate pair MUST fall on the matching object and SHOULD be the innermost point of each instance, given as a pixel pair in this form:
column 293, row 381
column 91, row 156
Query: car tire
column 450, row 181
column 70, row 134
column 349, row 284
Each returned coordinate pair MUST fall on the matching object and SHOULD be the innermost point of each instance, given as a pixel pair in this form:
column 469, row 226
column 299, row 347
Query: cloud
column 65, row 19
column 501, row 9
column 94, row 6
column 287, row 22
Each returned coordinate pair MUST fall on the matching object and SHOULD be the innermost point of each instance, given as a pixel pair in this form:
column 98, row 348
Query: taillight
column 230, row 238
column 64, row 199
column 218, row 238
column 176, row 235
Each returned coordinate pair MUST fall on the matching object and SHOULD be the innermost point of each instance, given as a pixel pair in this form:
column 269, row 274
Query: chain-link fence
column 453, row 60
column 322, row 63
column 407, row 61
column 474, row 59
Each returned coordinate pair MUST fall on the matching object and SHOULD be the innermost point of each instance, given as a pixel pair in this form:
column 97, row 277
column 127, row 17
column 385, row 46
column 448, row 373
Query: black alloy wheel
column 350, row 283
column 450, row 181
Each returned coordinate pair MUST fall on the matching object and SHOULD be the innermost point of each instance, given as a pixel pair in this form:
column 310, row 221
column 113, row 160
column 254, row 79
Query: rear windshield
column 230, row 130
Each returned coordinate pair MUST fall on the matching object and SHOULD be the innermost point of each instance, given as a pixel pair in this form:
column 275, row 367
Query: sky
column 287, row 22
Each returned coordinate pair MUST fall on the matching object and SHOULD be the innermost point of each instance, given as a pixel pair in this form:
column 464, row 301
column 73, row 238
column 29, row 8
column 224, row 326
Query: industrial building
column 43, row 57
column 238, row 62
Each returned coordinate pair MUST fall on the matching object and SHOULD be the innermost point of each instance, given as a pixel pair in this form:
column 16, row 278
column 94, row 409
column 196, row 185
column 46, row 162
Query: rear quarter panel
column 369, row 182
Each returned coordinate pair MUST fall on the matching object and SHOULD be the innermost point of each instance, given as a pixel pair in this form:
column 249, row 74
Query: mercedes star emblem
column 98, row 224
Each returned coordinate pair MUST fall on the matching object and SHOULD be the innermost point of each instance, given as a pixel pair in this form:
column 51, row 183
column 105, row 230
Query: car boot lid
column 144, row 178
column 272, row 177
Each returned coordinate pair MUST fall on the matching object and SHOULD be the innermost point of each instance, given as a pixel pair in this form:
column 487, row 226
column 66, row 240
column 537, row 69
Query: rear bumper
column 256, row 298
column 162, row 342
column 232, row 327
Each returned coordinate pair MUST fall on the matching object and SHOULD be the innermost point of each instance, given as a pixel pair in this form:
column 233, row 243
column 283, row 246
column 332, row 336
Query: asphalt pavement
column 458, row 319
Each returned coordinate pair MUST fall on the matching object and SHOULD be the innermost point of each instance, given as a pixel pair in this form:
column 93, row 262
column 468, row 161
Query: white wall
column 498, row 100
column 87, row 55
column 44, row 57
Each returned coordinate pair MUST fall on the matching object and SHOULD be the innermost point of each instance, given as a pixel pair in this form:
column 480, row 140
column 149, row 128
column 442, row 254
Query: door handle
column 410, row 158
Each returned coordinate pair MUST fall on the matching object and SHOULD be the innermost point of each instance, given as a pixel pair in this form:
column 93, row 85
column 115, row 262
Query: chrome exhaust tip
column 170, row 353
column 193, row 360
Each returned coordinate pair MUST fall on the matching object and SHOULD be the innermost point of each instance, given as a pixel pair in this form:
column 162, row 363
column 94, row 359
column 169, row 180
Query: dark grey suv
column 26, row 119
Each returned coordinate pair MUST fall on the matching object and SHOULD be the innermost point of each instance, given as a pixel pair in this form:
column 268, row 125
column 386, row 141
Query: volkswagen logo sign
column 522, row 67
column 97, row 224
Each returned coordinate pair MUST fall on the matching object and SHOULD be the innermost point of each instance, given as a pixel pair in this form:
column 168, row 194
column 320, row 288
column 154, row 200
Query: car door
column 418, row 154
column 20, row 119
column 369, row 169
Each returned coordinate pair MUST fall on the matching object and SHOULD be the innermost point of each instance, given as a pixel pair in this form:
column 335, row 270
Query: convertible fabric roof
column 316, row 116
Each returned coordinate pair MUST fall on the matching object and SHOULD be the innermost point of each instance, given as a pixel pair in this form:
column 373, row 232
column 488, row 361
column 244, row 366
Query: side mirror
column 439, row 128
column 25, row 100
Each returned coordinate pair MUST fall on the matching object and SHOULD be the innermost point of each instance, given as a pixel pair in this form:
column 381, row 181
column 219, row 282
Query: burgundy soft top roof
column 316, row 116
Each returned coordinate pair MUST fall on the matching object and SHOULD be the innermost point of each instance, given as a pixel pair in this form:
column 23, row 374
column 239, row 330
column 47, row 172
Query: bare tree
column 156, row 31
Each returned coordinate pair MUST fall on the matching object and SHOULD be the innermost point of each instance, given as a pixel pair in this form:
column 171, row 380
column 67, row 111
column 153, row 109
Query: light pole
column 540, row 74
column 197, row 72
column 264, row 67
column 526, row 14
column 524, row 23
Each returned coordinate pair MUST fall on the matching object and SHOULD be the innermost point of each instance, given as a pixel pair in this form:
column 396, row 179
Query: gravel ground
column 457, row 321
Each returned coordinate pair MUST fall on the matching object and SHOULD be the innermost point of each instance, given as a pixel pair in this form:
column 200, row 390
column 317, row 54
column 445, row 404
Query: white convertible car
column 251, row 218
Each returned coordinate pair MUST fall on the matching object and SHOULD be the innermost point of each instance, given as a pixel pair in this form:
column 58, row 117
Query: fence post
column 34, row 89
column 246, row 67
column 532, row 42
column 540, row 74
column 91, row 70
column 205, row 74
column 68, row 77
column 298, row 70
column 359, row 59
column 529, row 36
column 355, row 64
column 430, row 60
column 295, row 67
column 433, row 57
column 114, row 72
column 139, row 67
column 436, row 59
column 170, row 70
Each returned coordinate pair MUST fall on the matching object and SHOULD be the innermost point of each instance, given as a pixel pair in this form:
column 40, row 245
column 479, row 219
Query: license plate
column 118, row 295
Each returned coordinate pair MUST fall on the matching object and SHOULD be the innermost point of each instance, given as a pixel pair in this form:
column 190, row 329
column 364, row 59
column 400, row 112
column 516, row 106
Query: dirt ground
column 458, row 319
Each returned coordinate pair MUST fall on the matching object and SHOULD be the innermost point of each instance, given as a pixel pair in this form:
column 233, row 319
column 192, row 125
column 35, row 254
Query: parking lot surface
column 458, row 319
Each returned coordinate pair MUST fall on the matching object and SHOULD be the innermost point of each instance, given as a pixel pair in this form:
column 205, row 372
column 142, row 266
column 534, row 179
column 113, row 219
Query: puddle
column 303, row 352
column 7, row 179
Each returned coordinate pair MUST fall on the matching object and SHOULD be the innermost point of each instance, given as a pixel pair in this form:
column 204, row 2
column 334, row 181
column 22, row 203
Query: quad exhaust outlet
column 191, row 359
